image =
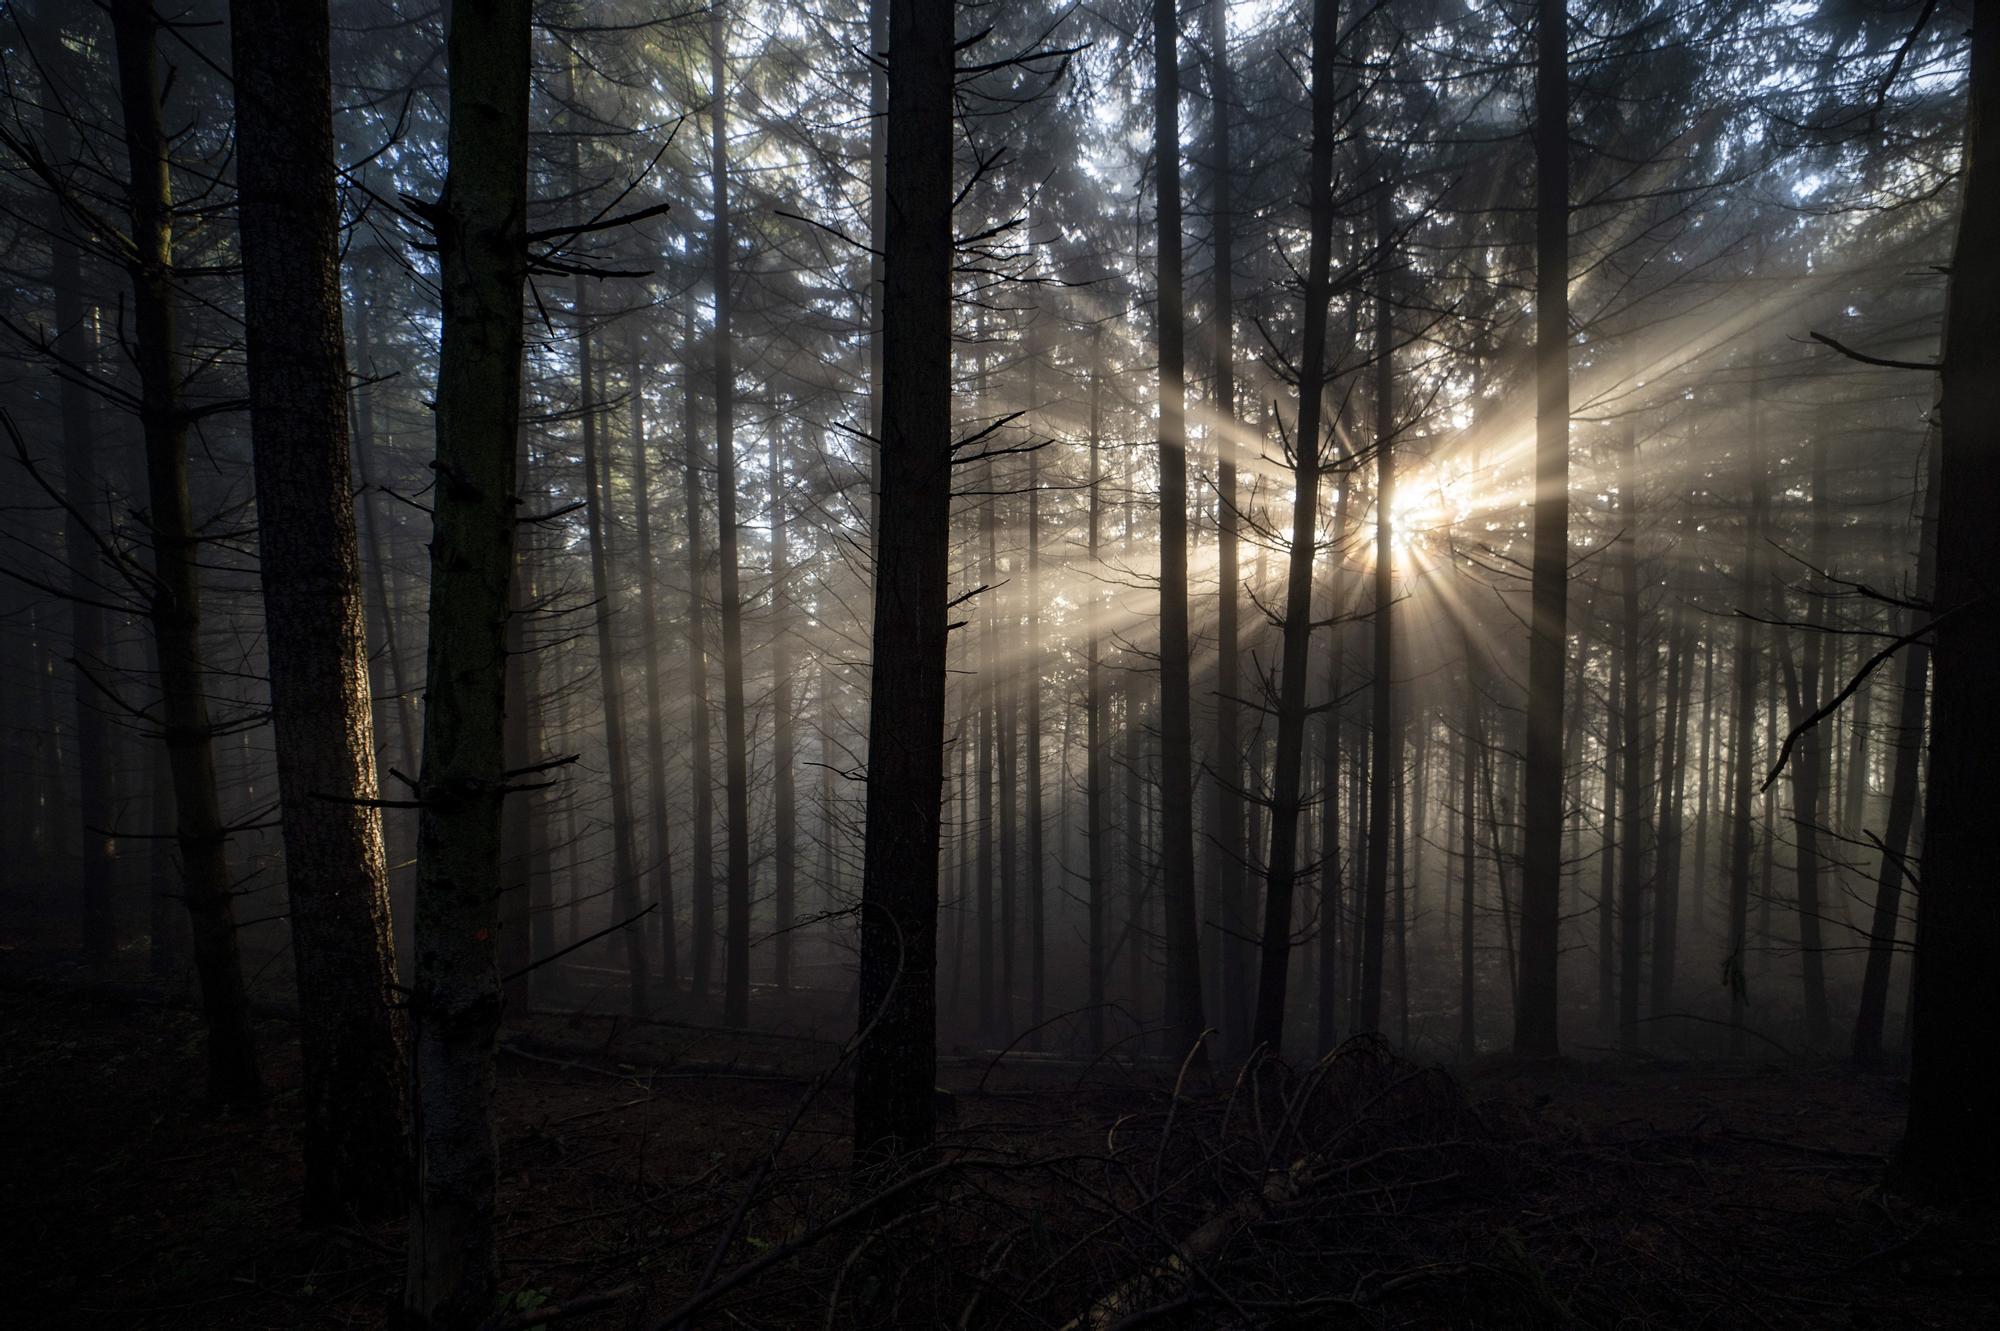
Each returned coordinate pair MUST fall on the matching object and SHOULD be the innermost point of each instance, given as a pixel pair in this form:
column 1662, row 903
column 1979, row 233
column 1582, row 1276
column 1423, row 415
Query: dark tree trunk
column 1868, row 1019
column 894, row 1110
column 1954, row 1082
column 662, row 849
column 1634, row 764
column 1809, row 766
column 1535, row 1012
column 1032, row 679
column 1386, row 738
column 336, row 868
column 1181, row 929
column 1708, row 750
column 175, row 608
column 784, row 815
column 735, row 745
column 73, row 346
column 1468, row 993
column 991, row 1001
column 1744, row 720
column 701, row 886
column 1099, row 867
column 1281, row 867
column 482, row 258
column 1229, row 883
column 1667, row 828
column 610, row 671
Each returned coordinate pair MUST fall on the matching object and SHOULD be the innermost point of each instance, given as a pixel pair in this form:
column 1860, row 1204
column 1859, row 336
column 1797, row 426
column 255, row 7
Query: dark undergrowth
column 673, row 1174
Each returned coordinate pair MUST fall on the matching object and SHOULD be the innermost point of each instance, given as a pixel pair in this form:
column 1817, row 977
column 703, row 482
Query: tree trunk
column 735, row 746
column 894, row 1108
column 610, row 672
column 336, row 868
column 1535, row 1012
column 482, row 257
column 1032, row 678
column 1182, row 930
column 1386, row 739
column 701, row 774
column 1094, row 777
column 1809, row 766
column 1281, row 866
column 175, row 607
column 784, row 815
column 1230, row 883
column 74, row 347
column 1868, row 1020
column 1954, row 1083
column 1709, row 750
column 662, row 848
column 1744, row 720
column 1635, row 762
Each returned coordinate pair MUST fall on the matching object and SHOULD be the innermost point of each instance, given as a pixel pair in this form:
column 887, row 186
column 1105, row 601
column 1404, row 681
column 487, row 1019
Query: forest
column 999, row 663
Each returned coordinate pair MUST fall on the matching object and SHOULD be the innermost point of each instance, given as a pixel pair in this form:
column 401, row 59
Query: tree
column 481, row 230
column 175, row 592
column 1954, row 1084
column 735, row 745
column 896, row 1066
column 1184, row 1008
column 1535, row 1019
column 336, row 869
column 1282, row 863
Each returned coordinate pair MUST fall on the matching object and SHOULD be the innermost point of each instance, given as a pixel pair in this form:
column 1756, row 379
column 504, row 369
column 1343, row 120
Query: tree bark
column 700, row 769
column 1386, row 739
column 482, row 259
column 662, row 848
column 336, row 867
column 1181, row 928
column 784, row 815
column 175, row 607
column 1230, row 884
column 74, row 347
column 1536, row 1027
column 894, row 1109
column 1744, row 720
column 1954, row 1082
column 735, row 746
column 610, row 672
column 1915, row 664
column 1281, row 872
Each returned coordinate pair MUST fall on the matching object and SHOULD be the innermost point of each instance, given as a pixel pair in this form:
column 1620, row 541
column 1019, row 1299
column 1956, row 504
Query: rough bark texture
column 1535, row 1011
column 175, row 607
column 482, row 258
column 336, row 868
column 894, row 1112
column 735, row 745
column 1954, row 1081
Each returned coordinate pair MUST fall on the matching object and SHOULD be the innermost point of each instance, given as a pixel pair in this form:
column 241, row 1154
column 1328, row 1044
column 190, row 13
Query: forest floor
column 1368, row 1191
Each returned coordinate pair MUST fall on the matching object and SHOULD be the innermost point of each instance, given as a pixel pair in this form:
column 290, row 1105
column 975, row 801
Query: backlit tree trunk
column 336, row 868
